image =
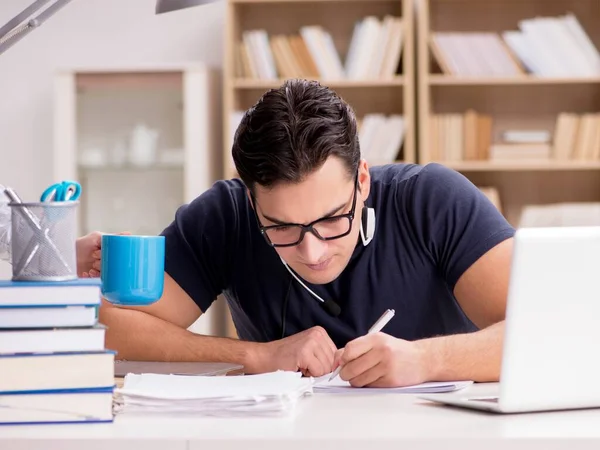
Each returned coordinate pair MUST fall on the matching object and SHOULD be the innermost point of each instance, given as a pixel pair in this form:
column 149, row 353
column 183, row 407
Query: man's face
column 329, row 191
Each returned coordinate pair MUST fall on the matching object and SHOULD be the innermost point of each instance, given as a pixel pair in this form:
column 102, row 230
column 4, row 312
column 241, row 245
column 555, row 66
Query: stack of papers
column 270, row 394
column 339, row 386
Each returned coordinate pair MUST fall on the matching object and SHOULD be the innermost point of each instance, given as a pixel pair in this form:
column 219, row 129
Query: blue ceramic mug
column 132, row 269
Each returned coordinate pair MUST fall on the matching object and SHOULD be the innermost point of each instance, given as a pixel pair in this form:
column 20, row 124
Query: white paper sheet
column 269, row 394
column 273, row 393
column 322, row 385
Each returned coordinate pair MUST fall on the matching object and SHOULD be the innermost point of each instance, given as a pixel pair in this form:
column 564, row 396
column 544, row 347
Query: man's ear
column 364, row 179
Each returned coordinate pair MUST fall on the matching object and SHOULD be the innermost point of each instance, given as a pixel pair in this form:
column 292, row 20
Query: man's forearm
column 136, row 335
column 474, row 356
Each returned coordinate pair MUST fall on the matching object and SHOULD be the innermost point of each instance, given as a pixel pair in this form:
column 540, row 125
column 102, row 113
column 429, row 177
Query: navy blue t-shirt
column 431, row 225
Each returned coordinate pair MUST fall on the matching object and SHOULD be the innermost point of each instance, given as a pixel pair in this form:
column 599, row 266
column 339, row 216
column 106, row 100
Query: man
column 307, row 271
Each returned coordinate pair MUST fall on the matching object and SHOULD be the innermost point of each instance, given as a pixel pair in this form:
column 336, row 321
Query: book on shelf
column 468, row 137
column 544, row 46
column 520, row 152
column 473, row 54
column 381, row 137
column 527, row 136
column 460, row 137
column 54, row 366
column 577, row 137
column 374, row 52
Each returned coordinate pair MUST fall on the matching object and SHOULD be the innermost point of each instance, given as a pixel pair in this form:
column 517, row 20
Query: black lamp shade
column 164, row 6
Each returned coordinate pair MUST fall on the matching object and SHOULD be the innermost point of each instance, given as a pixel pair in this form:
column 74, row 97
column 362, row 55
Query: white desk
column 350, row 422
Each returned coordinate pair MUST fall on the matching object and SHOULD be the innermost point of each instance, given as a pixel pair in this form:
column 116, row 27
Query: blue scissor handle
column 51, row 193
column 72, row 190
column 62, row 191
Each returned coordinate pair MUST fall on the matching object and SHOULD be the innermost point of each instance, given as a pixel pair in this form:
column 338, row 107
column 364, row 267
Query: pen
column 376, row 328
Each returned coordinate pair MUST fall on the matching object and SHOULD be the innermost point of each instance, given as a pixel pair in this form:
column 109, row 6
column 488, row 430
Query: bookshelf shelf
column 482, row 99
column 241, row 83
column 128, row 80
column 445, row 80
column 534, row 166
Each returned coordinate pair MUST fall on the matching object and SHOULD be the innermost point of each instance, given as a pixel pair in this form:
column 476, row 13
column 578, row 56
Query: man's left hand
column 380, row 360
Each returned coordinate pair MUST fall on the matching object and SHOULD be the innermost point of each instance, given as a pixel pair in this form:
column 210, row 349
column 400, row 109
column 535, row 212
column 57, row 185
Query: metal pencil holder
column 43, row 237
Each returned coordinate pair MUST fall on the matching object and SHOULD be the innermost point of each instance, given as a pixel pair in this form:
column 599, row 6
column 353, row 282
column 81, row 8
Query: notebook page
column 337, row 386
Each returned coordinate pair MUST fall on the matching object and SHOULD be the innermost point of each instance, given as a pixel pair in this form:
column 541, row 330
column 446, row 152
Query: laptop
column 551, row 353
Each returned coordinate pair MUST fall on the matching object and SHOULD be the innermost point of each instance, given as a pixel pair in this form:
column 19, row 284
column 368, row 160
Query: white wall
column 85, row 33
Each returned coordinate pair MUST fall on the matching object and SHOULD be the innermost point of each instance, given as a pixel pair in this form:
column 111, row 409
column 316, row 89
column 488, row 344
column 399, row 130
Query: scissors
column 62, row 192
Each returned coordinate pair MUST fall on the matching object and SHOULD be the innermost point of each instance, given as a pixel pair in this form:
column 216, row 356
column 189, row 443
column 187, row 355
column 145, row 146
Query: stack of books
column 53, row 364
column 374, row 52
column 460, row 136
column 542, row 46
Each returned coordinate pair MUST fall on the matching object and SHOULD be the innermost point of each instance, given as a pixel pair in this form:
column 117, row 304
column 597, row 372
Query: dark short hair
column 291, row 131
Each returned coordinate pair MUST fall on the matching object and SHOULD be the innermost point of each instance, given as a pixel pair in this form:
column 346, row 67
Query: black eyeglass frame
column 310, row 226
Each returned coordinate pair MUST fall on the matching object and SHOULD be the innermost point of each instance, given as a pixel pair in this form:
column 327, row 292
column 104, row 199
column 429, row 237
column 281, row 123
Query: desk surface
column 358, row 421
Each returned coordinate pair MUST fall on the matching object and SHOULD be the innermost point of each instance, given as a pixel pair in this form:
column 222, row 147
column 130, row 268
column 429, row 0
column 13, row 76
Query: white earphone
column 367, row 231
column 301, row 282
column 368, row 216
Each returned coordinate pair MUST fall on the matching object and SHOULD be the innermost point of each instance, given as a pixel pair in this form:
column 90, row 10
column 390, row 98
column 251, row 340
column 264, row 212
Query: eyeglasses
column 325, row 228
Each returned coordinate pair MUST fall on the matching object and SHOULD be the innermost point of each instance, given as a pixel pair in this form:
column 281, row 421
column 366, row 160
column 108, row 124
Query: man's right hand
column 311, row 351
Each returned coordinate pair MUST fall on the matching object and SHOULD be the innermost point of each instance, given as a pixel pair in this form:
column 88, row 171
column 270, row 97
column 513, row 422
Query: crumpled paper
column 5, row 226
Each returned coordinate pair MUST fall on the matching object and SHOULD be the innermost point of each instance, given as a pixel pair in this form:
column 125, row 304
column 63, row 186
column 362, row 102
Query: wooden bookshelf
column 388, row 92
column 518, row 95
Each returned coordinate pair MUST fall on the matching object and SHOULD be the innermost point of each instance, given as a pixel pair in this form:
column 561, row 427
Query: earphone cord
column 284, row 308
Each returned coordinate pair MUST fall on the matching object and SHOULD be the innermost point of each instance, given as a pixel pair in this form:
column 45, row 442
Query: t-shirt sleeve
column 199, row 243
column 455, row 221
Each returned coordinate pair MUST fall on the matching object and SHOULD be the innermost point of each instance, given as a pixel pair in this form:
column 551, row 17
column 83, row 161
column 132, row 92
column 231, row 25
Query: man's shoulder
column 223, row 193
column 416, row 185
column 400, row 172
column 411, row 178
column 232, row 186
column 394, row 173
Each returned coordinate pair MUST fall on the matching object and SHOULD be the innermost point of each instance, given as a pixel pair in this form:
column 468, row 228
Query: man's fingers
column 337, row 358
column 325, row 356
column 97, row 265
column 360, row 365
column 331, row 345
column 314, row 367
column 357, row 348
column 368, row 378
column 329, row 348
column 97, row 239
